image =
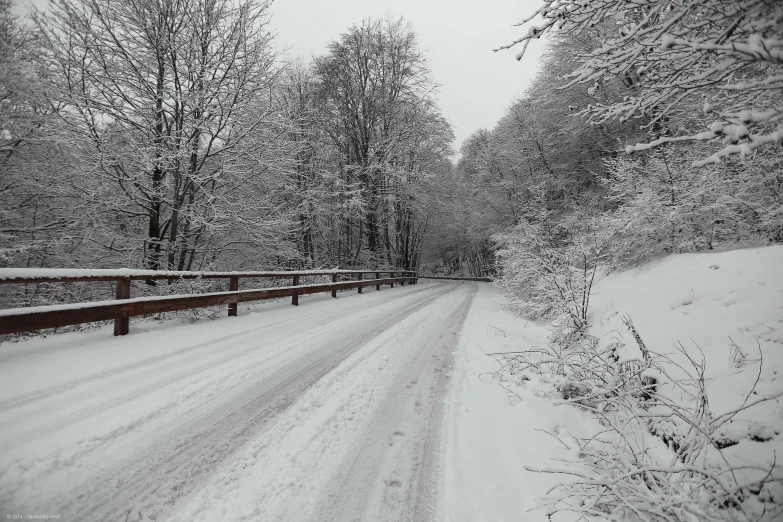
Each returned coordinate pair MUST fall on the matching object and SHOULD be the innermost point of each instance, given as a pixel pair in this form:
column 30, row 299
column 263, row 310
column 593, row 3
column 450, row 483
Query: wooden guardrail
column 123, row 307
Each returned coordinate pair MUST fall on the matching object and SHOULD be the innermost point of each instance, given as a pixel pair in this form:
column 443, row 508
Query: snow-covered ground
column 384, row 406
column 329, row 411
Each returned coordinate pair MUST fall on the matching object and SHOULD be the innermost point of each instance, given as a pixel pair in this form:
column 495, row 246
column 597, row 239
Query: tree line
column 654, row 127
column 169, row 135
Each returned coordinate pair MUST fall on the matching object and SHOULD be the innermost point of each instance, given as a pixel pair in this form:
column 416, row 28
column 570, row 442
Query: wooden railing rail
column 124, row 307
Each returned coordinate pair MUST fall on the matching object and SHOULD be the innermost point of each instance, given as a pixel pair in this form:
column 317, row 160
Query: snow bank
column 723, row 309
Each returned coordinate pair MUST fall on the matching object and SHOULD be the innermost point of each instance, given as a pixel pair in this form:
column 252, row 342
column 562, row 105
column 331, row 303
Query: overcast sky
column 457, row 36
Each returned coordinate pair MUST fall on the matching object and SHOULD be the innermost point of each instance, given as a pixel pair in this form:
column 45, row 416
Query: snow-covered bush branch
column 660, row 456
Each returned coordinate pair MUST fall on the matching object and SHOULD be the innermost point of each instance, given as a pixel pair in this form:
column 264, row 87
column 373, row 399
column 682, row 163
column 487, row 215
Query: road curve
column 331, row 411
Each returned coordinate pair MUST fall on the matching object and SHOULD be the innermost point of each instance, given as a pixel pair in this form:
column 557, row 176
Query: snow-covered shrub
column 660, row 457
column 547, row 270
column 574, row 389
column 659, row 205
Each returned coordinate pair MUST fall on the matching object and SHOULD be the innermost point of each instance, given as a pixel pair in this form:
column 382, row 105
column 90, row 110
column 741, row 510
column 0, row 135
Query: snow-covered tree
column 38, row 217
column 719, row 63
column 167, row 104
column 659, row 205
column 548, row 267
column 377, row 111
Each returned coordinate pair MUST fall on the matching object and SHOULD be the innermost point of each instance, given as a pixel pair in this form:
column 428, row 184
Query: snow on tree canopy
column 724, row 56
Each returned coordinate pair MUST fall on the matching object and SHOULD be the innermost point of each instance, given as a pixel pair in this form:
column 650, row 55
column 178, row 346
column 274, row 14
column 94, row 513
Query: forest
column 647, row 132
column 164, row 134
column 167, row 135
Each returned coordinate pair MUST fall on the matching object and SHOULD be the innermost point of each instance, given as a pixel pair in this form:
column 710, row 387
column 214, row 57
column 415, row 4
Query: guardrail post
column 391, row 274
column 334, row 290
column 360, row 278
column 295, row 297
column 233, row 286
column 122, row 291
column 378, row 276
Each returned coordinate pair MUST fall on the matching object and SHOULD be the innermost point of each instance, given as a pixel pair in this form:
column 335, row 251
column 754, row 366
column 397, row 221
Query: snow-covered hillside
column 717, row 313
column 725, row 309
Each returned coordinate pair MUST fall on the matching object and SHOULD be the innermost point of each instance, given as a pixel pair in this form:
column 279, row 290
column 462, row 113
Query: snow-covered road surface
column 329, row 411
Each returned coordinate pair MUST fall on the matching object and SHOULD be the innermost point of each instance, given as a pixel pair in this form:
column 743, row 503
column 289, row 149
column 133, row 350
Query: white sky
column 457, row 36
column 476, row 85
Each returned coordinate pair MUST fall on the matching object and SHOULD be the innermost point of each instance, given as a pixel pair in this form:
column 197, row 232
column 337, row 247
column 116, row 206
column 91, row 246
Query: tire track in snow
column 93, row 397
column 395, row 473
column 176, row 463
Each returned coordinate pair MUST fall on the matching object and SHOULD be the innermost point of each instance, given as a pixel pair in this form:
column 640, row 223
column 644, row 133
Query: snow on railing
column 481, row 279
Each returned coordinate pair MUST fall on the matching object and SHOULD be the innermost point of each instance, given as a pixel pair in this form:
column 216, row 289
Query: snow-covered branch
column 678, row 56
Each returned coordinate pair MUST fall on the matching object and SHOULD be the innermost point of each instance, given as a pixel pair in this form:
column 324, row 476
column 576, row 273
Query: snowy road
column 329, row 411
